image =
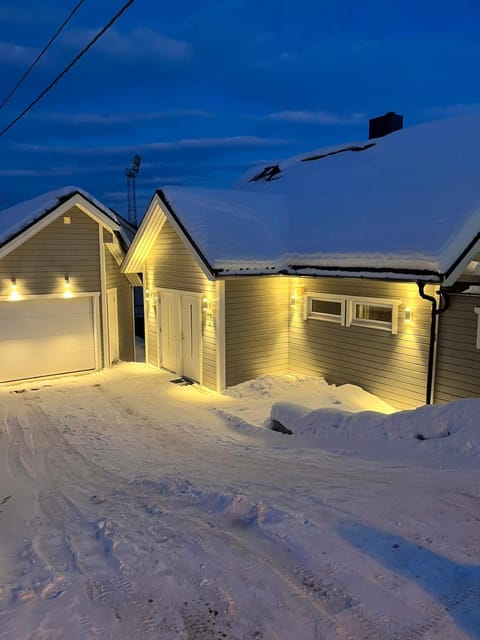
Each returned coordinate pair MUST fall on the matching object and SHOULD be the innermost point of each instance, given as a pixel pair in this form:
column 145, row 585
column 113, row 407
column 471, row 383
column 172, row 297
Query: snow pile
column 253, row 399
column 449, row 430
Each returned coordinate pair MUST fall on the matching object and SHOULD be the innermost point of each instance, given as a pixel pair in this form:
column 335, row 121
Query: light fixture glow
column 68, row 288
column 408, row 314
column 14, row 295
column 205, row 303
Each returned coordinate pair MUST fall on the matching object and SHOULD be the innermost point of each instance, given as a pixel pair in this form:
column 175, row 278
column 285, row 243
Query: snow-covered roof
column 404, row 206
column 18, row 218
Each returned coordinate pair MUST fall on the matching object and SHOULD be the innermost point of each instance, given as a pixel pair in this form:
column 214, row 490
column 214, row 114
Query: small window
column 331, row 309
column 375, row 314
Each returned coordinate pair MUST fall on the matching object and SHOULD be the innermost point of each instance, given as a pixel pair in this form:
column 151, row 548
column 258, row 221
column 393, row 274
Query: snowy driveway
column 134, row 508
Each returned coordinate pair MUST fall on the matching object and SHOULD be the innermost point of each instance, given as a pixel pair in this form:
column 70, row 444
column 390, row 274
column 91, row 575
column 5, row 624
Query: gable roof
column 405, row 206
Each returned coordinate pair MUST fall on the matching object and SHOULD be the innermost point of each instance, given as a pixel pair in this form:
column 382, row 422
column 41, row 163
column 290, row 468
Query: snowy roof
column 21, row 216
column 406, row 205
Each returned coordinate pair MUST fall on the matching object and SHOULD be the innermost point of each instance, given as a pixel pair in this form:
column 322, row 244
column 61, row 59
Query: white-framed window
column 348, row 311
column 326, row 307
column 376, row 313
column 477, row 311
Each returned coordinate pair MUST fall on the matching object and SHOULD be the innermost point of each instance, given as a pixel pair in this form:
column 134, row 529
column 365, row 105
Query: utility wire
column 42, row 53
column 68, row 67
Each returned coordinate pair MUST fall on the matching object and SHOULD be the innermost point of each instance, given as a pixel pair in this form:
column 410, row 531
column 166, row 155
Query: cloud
column 451, row 111
column 232, row 142
column 14, row 54
column 137, row 43
column 102, row 119
column 318, row 117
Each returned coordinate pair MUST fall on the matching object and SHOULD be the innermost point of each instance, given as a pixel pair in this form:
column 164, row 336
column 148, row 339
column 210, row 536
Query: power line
column 68, row 67
column 42, row 53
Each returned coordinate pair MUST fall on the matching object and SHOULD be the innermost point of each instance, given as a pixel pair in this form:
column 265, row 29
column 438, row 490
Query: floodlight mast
column 131, row 175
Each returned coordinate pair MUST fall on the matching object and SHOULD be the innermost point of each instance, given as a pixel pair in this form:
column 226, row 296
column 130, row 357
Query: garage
column 46, row 336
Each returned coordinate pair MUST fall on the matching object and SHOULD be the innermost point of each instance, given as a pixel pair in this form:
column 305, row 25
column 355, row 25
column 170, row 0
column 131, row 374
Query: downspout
column 438, row 307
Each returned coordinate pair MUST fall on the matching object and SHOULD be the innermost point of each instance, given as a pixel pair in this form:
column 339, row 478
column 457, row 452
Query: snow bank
column 444, row 431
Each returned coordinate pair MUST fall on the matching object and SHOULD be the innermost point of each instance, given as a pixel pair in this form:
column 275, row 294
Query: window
column 370, row 312
column 376, row 313
column 329, row 308
column 477, row 311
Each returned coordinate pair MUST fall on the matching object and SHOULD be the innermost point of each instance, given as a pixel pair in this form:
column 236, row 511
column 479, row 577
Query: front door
column 181, row 333
column 191, row 336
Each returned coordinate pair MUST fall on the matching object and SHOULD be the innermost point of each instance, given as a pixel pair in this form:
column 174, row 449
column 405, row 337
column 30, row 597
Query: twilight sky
column 204, row 89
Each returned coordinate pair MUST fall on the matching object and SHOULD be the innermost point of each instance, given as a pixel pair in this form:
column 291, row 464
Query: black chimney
column 383, row 125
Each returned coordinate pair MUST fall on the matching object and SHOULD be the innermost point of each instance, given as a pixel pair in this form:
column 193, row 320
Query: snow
column 135, row 508
column 17, row 218
column 415, row 191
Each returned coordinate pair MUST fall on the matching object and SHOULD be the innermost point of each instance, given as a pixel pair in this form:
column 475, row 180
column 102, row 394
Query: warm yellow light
column 293, row 300
column 14, row 295
column 205, row 303
column 408, row 314
column 68, row 288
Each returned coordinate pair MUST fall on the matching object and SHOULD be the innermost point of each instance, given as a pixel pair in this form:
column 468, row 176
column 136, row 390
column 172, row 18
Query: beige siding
column 115, row 279
column 41, row 263
column 458, row 359
column 256, row 327
column 170, row 265
column 394, row 367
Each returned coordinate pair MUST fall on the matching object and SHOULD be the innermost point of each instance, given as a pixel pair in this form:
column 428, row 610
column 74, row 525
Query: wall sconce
column 408, row 314
column 205, row 304
column 68, row 288
column 14, row 295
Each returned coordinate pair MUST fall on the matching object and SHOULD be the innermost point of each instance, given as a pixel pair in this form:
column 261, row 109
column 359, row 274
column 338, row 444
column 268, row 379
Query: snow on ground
column 135, row 508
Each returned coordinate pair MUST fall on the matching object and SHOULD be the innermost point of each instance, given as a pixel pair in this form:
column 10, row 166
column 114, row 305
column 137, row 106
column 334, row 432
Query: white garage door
column 45, row 337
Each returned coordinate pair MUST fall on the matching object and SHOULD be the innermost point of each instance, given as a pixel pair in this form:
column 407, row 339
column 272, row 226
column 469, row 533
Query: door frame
column 109, row 314
column 179, row 293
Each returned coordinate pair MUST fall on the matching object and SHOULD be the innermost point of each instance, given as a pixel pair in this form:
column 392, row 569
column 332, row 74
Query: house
column 64, row 304
column 359, row 263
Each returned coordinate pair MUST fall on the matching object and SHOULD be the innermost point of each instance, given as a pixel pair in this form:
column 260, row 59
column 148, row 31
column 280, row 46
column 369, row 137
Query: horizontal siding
column 41, row 263
column 170, row 265
column 256, row 327
column 116, row 279
column 458, row 359
column 394, row 367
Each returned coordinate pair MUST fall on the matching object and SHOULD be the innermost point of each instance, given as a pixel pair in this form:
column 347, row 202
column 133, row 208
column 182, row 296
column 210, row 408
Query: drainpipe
column 438, row 307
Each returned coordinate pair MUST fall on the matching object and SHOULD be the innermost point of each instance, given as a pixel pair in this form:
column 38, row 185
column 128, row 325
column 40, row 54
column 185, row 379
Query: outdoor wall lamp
column 408, row 314
column 205, row 304
column 14, row 295
column 68, row 287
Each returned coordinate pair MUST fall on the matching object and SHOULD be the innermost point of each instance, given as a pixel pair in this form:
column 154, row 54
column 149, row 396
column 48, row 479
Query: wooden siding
column 458, row 359
column 41, row 263
column 394, row 367
column 115, row 279
column 170, row 265
column 256, row 327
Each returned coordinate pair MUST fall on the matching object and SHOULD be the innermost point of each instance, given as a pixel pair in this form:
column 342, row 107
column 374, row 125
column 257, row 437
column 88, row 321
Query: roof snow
column 409, row 201
column 16, row 219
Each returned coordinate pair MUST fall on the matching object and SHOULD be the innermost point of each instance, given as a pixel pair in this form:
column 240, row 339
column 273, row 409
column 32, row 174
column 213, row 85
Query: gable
column 41, row 263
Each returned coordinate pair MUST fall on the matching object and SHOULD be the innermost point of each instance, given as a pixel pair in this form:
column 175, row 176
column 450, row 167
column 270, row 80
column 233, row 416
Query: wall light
column 205, row 303
column 408, row 314
column 14, row 295
column 68, row 288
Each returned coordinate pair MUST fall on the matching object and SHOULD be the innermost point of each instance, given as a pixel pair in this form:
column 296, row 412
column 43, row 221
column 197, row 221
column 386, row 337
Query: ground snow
column 132, row 508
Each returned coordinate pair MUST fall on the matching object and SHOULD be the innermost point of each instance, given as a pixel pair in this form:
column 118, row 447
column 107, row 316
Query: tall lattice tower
column 131, row 175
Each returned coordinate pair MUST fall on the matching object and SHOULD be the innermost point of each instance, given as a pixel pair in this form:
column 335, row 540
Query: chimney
column 383, row 125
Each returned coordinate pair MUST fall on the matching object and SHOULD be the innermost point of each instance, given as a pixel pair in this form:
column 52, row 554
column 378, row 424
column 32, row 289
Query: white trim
column 462, row 266
column 96, row 331
column 151, row 225
column 110, row 359
column 327, row 317
column 220, row 335
column 477, row 311
column 75, row 201
column 104, row 306
column 351, row 321
column 186, row 241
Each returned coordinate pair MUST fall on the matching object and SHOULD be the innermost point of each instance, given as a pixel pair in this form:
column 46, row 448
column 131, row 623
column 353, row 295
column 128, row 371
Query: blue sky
column 203, row 90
